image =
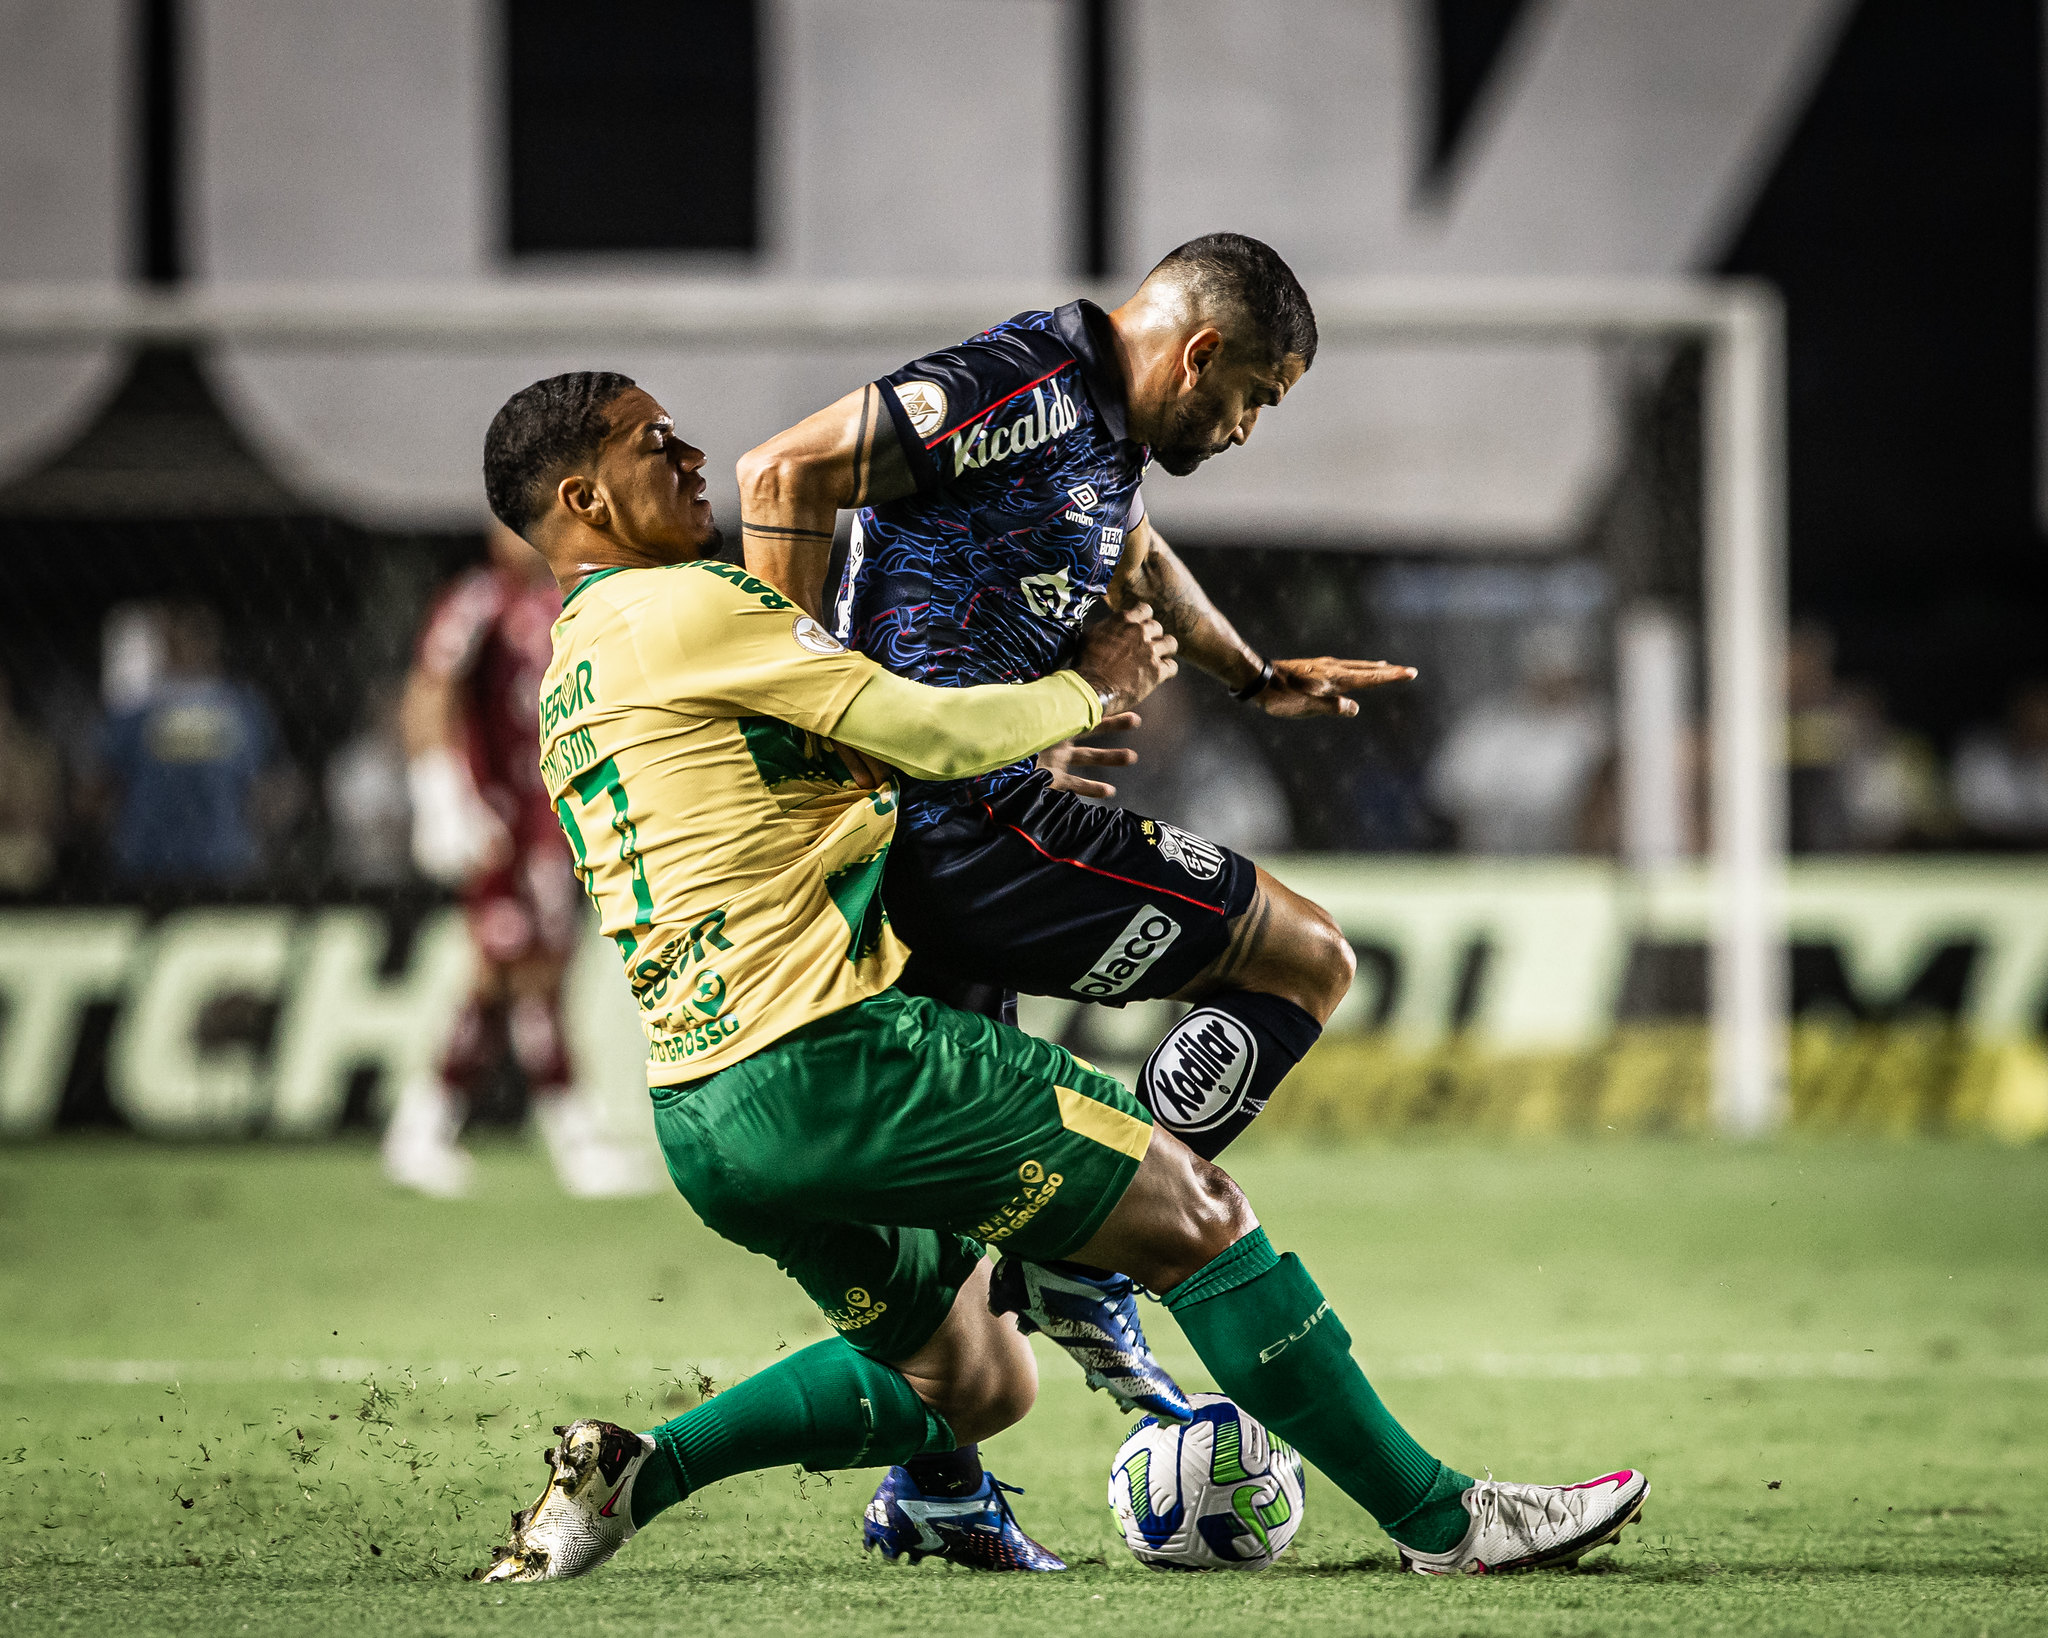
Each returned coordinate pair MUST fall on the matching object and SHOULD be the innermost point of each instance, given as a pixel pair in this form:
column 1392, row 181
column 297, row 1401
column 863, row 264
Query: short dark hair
column 542, row 429
column 1230, row 269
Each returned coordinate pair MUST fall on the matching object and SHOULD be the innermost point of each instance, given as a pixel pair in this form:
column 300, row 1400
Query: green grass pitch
column 254, row 1390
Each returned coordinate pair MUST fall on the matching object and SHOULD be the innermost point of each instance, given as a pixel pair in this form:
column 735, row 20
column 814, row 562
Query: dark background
column 1901, row 221
column 1903, row 226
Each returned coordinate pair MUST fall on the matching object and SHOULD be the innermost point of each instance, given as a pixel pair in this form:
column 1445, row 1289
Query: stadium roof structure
column 160, row 446
column 796, row 313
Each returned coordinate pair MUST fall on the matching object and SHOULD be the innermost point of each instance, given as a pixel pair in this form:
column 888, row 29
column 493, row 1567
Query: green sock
column 1275, row 1346
column 827, row 1407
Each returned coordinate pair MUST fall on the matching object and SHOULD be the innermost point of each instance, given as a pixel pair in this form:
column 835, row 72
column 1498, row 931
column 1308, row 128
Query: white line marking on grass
column 1853, row 1366
column 1843, row 1365
column 351, row 1370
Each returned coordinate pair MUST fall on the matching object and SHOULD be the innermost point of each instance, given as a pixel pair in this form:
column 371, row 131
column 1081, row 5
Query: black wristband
column 1258, row 685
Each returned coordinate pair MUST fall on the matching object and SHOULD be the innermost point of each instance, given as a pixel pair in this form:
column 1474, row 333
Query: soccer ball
column 1218, row 1494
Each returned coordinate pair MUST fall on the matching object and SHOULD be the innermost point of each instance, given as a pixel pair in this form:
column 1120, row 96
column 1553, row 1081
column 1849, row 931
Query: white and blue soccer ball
column 1220, row 1493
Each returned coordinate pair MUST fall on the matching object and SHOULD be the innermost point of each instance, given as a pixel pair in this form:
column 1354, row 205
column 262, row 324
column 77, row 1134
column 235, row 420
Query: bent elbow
column 780, row 474
column 767, row 476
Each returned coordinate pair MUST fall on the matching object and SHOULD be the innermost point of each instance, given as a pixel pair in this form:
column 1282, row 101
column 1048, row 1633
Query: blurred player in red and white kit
column 481, row 821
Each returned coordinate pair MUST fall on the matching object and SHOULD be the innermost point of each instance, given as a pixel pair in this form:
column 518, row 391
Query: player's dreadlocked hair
column 542, row 429
column 1231, row 270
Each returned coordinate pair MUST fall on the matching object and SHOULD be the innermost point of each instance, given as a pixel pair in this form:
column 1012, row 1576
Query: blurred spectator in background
column 31, row 800
column 1202, row 773
column 1857, row 781
column 185, row 764
column 482, row 822
column 1892, row 792
column 132, row 639
column 368, row 813
column 2001, row 774
column 1816, row 743
column 1515, row 774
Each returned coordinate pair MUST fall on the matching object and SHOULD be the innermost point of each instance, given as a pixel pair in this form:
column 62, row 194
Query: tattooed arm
column 793, row 487
column 1150, row 572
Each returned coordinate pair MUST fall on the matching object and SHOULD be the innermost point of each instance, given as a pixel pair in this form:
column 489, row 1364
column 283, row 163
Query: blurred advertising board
column 1516, row 996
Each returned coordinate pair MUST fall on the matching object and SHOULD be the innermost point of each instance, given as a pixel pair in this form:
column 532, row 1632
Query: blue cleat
column 1095, row 1318
column 978, row 1531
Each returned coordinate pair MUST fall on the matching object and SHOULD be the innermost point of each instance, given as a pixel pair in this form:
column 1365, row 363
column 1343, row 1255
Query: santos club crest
column 1197, row 855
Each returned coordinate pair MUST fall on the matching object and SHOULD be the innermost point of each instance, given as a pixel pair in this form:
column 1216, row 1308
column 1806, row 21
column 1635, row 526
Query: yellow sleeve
column 955, row 733
column 726, row 644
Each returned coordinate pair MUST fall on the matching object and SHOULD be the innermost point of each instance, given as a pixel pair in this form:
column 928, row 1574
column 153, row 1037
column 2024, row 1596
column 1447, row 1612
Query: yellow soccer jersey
column 730, row 858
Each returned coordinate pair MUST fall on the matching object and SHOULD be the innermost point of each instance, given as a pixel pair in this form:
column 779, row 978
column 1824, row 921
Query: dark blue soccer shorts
column 1035, row 890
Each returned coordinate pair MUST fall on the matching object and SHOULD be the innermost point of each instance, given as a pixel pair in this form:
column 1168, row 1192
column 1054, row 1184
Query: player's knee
column 1179, row 1214
column 1223, row 1216
column 1304, row 958
column 1317, row 961
column 1214, row 1216
column 535, row 1025
column 1011, row 1391
column 996, row 1394
column 1336, row 958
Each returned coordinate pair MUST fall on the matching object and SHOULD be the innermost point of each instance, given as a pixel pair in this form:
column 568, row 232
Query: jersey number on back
column 604, row 777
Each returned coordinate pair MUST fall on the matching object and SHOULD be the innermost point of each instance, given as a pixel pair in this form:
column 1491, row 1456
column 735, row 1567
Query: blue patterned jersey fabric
column 1027, row 483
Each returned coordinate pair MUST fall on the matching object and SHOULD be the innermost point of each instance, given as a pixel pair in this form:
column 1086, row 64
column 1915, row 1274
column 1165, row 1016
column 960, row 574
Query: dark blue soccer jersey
column 1026, row 484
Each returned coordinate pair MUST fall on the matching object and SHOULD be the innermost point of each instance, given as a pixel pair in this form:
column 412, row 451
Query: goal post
column 1738, row 325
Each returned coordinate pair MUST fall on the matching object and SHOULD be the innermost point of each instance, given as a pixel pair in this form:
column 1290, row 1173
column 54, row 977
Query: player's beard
column 1190, row 436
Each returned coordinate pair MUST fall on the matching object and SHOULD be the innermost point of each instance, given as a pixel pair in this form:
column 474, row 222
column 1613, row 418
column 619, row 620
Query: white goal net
column 303, row 459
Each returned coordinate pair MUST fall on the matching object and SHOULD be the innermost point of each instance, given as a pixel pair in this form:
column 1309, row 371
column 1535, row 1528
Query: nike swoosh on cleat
column 605, row 1511
column 1600, row 1535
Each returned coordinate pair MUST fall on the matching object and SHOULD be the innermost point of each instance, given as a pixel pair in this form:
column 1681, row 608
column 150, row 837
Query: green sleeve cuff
column 1091, row 702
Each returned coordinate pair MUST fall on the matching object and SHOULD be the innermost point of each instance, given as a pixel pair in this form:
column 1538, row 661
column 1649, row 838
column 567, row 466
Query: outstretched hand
column 1320, row 688
column 1060, row 760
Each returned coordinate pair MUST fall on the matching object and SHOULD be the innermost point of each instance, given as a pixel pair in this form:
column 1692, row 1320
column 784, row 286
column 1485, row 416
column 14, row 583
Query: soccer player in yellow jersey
column 876, row 1144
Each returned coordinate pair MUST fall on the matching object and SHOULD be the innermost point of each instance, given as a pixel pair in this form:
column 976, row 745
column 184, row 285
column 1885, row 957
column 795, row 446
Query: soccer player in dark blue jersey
column 997, row 488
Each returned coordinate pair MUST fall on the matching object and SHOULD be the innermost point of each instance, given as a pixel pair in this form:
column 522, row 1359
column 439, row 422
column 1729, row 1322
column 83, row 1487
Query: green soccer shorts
column 875, row 1153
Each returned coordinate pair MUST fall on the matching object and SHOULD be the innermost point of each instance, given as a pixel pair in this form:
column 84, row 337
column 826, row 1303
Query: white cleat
column 1536, row 1526
column 586, row 1513
column 420, row 1149
column 588, row 1164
